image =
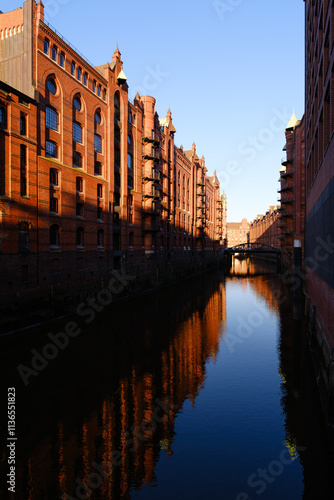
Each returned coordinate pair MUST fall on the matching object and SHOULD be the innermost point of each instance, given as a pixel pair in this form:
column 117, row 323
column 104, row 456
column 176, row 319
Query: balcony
column 287, row 188
column 155, row 194
column 284, row 175
column 153, row 155
column 151, row 176
column 154, row 139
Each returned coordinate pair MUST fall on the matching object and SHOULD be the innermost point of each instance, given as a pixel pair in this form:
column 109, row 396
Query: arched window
column 100, row 238
column 51, row 85
column 97, row 117
column 80, row 237
column 77, row 103
column 54, row 236
column 54, row 177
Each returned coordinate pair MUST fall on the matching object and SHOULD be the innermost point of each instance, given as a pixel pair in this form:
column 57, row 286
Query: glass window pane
column 52, row 86
column 77, row 160
column 51, row 119
column 77, row 104
column 130, row 162
column 77, row 132
column 51, row 149
column 98, row 143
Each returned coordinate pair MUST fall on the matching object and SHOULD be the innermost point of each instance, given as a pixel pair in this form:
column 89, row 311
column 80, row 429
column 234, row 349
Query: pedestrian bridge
column 252, row 248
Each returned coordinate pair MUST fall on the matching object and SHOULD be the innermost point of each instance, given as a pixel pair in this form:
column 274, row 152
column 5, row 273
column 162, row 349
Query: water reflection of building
column 137, row 419
column 246, row 266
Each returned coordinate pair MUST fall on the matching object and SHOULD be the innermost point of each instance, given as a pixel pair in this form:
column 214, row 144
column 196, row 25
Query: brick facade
column 107, row 188
column 319, row 159
column 265, row 228
column 292, row 190
column 237, row 232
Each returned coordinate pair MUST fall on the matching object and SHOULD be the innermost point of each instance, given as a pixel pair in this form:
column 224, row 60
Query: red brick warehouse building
column 292, row 190
column 264, row 229
column 89, row 181
column 319, row 162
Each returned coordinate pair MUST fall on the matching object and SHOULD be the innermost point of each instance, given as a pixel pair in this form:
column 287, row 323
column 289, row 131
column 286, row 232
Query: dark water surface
column 202, row 391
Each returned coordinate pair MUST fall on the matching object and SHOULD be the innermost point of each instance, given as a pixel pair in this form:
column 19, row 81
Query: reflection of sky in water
column 236, row 424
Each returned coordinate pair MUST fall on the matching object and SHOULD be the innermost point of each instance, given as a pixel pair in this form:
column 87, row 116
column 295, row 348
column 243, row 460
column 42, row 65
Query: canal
column 201, row 391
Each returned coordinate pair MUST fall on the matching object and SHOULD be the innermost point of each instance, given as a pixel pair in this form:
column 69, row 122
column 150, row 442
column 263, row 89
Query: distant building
column 237, row 232
column 264, row 229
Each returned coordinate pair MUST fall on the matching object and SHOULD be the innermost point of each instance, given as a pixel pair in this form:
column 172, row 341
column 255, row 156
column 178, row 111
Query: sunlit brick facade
column 107, row 188
column 237, row 232
column 264, row 229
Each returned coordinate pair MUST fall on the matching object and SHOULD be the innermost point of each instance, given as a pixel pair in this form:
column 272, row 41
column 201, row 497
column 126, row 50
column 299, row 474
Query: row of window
column 76, row 71
column 24, row 237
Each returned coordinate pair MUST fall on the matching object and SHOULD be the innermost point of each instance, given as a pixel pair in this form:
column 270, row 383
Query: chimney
column 40, row 10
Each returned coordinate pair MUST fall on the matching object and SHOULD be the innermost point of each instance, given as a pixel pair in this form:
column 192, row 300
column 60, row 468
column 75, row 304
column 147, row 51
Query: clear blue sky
column 230, row 70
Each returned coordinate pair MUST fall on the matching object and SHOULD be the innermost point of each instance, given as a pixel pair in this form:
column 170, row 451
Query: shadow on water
column 96, row 419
